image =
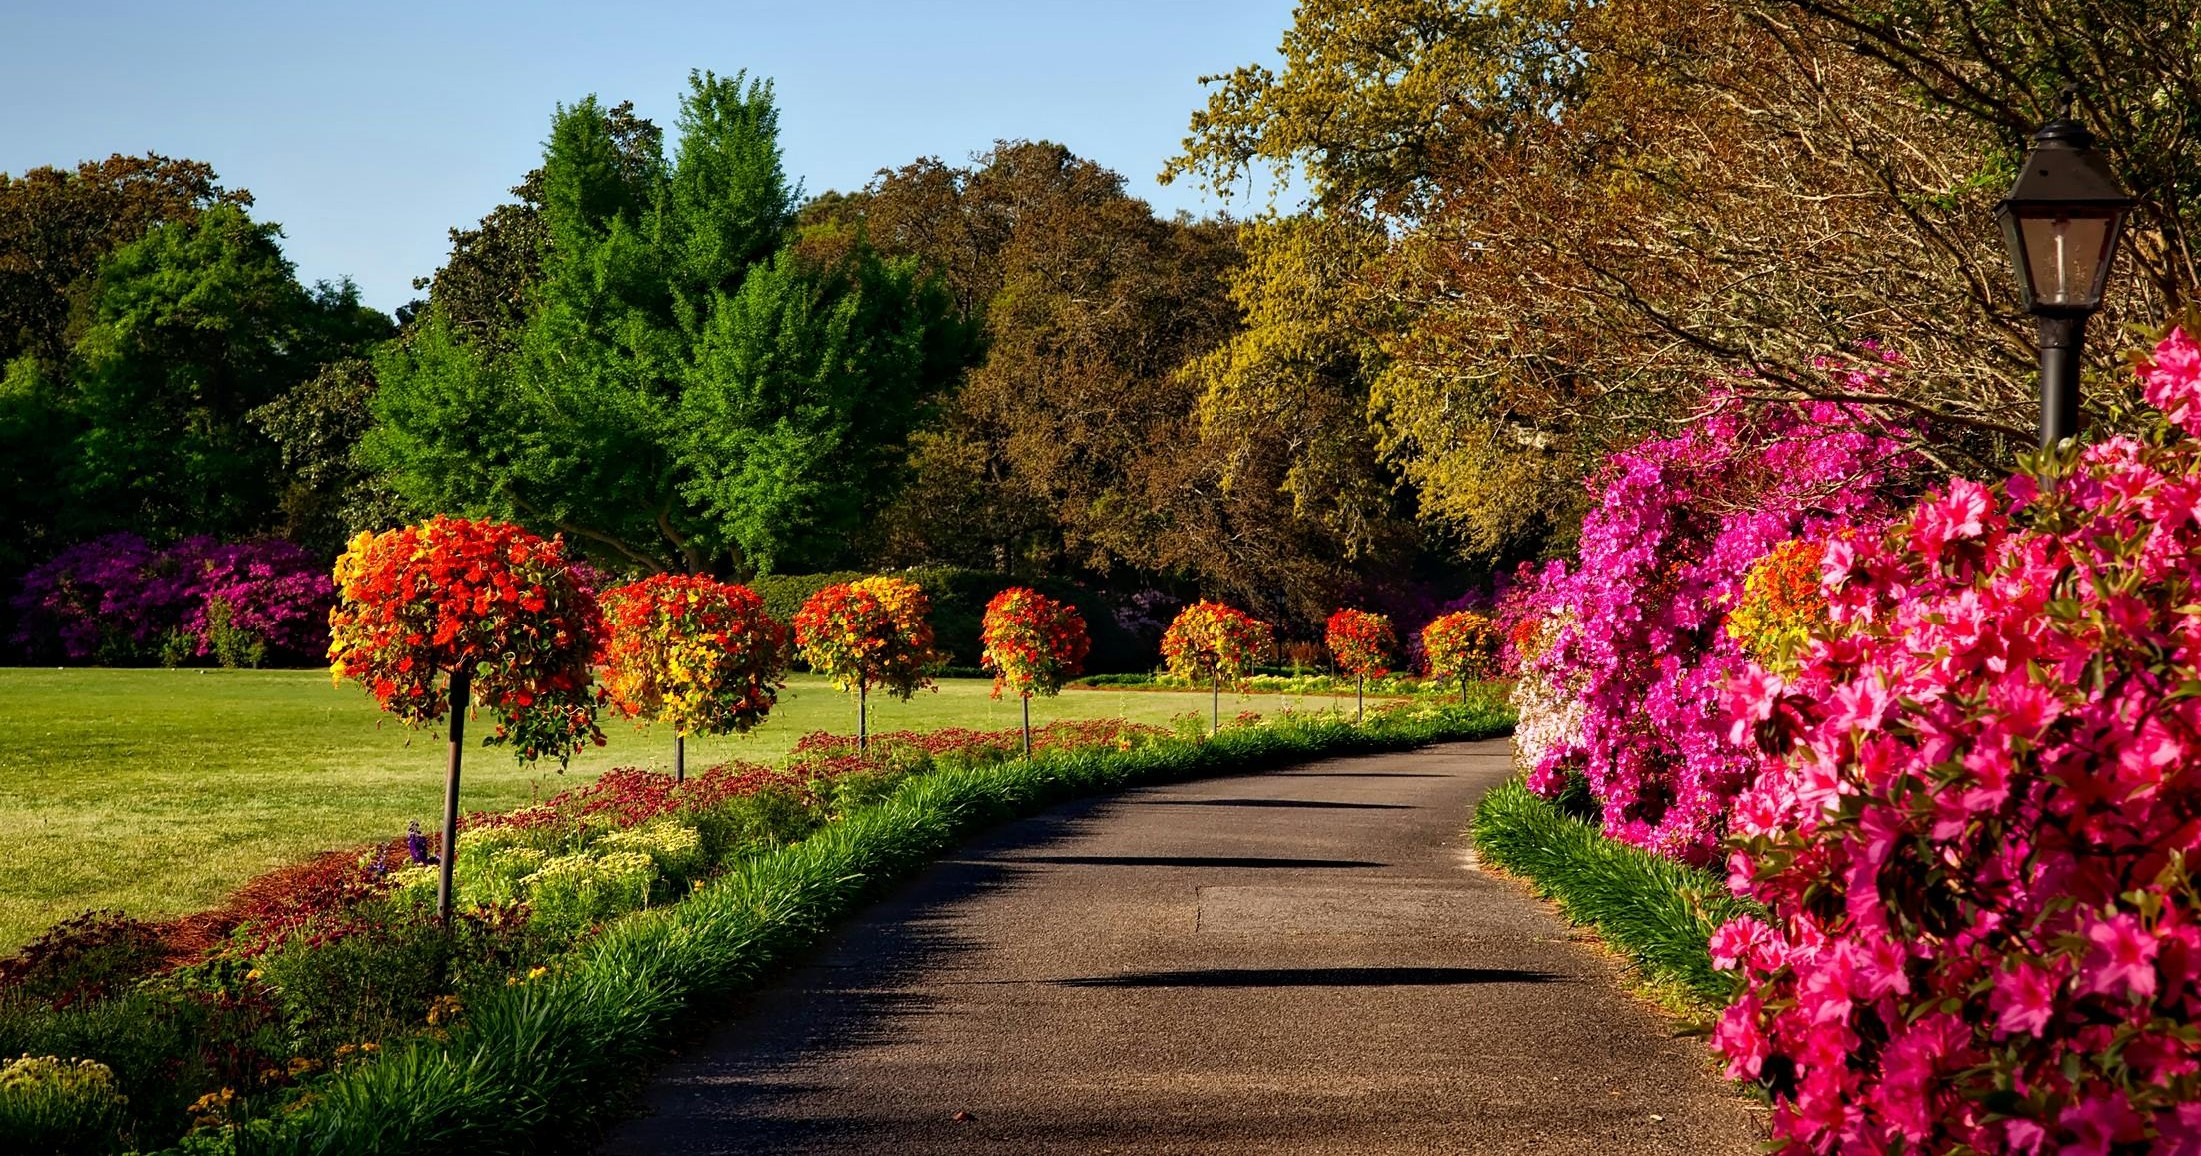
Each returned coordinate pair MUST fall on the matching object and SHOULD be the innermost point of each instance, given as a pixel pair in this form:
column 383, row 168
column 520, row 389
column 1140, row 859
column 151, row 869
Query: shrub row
column 959, row 599
column 533, row 1066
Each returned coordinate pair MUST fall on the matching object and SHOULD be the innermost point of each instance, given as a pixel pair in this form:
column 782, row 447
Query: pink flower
column 2024, row 999
column 2171, row 379
column 2121, row 960
column 1751, row 696
column 1958, row 515
column 1737, row 1037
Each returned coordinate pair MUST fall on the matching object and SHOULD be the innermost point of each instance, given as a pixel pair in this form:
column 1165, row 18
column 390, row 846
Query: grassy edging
column 537, row 1066
column 1658, row 913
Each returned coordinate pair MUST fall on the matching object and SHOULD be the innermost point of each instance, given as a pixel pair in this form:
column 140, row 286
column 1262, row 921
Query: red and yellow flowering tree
column 1211, row 640
column 1033, row 644
column 452, row 613
column 698, row 655
column 867, row 633
column 1462, row 645
column 1362, row 643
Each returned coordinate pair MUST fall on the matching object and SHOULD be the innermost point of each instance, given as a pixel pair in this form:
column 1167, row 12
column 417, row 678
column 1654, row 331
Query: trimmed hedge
column 1659, row 913
column 959, row 600
column 536, row 1066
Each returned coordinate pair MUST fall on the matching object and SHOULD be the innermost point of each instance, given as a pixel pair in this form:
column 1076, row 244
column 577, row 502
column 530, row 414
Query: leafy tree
column 190, row 329
column 684, row 391
column 324, row 495
column 57, row 226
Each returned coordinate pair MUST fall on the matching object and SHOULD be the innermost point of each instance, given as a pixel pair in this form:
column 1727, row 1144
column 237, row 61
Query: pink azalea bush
column 1631, row 635
column 1974, row 827
column 119, row 600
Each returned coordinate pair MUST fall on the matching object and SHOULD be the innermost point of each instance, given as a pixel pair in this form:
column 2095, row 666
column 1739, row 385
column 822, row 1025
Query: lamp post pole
column 2061, row 340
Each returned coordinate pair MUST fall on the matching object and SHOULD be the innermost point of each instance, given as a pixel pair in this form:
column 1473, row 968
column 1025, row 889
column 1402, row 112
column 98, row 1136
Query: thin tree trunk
column 1360, row 700
column 1215, row 704
column 680, row 758
column 461, row 697
column 1027, row 726
column 863, row 732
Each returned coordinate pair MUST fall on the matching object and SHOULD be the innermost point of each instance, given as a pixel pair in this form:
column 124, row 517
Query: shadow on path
column 1191, row 861
column 1312, row 803
column 1316, row 977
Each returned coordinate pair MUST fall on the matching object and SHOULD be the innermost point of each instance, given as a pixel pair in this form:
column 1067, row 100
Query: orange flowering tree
column 1211, row 640
column 1033, row 644
column 698, row 655
column 867, row 633
column 1362, row 643
column 1781, row 603
column 1462, row 645
column 435, row 618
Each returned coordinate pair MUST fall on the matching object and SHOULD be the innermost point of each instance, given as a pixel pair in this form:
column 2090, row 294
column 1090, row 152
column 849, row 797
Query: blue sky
column 367, row 130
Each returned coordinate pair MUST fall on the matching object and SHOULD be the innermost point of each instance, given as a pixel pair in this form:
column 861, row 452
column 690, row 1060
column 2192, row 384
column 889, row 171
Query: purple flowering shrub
column 1975, row 832
column 1631, row 637
column 118, row 601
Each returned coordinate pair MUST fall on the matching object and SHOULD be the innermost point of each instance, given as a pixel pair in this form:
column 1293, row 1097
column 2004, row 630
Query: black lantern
column 2062, row 220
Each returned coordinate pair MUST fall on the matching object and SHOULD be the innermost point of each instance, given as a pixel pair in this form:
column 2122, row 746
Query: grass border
column 542, row 1066
column 1656, row 912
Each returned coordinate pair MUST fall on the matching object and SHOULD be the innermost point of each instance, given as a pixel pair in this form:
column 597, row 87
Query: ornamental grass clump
column 1362, row 643
column 1974, row 827
column 435, row 618
column 1213, row 642
column 1033, row 644
column 694, row 654
column 867, row 633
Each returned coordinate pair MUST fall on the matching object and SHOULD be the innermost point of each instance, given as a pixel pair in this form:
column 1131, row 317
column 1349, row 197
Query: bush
column 570, row 893
column 90, row 957
column 118, row 601
column 50, row 1105
column 1973, row 836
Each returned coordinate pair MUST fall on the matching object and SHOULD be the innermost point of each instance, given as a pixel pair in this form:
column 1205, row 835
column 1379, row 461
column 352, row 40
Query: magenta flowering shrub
column 1631, row 634
column 1974, row 833
column 117, row 600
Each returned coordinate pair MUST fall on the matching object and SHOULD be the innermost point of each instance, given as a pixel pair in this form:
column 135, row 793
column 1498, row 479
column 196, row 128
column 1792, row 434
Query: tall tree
column 678, row 369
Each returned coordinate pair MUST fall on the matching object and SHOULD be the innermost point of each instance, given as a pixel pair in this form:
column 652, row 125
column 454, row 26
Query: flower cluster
column 869, row 633
column 1213, row 642
column 118, row 600
column 1780, row 605
column 1974, row 835
column 1361, row 642
column 698, row 655
column 1033, row 643
column 418, row 603
column 1677, row 524
column 1460, row 645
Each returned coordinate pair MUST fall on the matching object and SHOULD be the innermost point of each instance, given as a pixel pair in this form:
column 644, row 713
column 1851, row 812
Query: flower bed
column 293, row 994
column 118, row 601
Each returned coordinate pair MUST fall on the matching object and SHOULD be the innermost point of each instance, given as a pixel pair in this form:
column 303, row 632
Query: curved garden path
column 1303, row 961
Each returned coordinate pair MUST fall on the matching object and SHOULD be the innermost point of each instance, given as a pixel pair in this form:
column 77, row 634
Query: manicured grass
column 159, row 791
column 1658, row 913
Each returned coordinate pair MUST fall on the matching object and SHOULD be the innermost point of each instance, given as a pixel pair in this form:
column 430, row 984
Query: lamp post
column 2062, row 221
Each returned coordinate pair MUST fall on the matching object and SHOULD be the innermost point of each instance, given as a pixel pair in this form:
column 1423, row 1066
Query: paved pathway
column 1297, row 962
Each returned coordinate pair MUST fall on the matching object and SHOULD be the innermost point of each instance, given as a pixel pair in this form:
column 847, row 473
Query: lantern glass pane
column 2064, row 253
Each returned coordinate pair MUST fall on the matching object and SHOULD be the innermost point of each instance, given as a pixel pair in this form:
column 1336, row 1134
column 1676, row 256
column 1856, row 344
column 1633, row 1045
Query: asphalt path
column 1303, row 961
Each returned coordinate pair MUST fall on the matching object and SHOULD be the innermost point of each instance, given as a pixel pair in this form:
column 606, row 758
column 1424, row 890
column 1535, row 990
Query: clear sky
column 368, row 129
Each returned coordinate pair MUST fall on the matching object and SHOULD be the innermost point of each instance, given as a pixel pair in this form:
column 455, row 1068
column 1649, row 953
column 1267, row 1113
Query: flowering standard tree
column 1973, row 833
column 1034, row 645
column 866, row 633
column 697, row 655
column 1362, row 644
column 1213, row 641
column 435, row 618
column 1461, row 645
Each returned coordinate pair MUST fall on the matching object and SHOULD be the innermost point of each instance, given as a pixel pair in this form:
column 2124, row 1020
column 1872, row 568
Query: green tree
column 190, row 329
column 683, row 392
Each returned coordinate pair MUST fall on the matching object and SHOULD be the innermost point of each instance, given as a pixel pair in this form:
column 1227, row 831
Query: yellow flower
column 537, row 972
column 253, row 974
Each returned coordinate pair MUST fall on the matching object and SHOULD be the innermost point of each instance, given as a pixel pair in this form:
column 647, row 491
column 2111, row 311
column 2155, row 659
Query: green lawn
column 158, row 791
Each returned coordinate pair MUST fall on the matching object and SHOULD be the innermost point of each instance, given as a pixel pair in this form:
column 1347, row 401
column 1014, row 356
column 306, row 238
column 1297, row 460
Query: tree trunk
column 863, row 732
column 1027, row 727
column 1360, row 700
column 680, row 758
column 1215, row 705
column 462, row 681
